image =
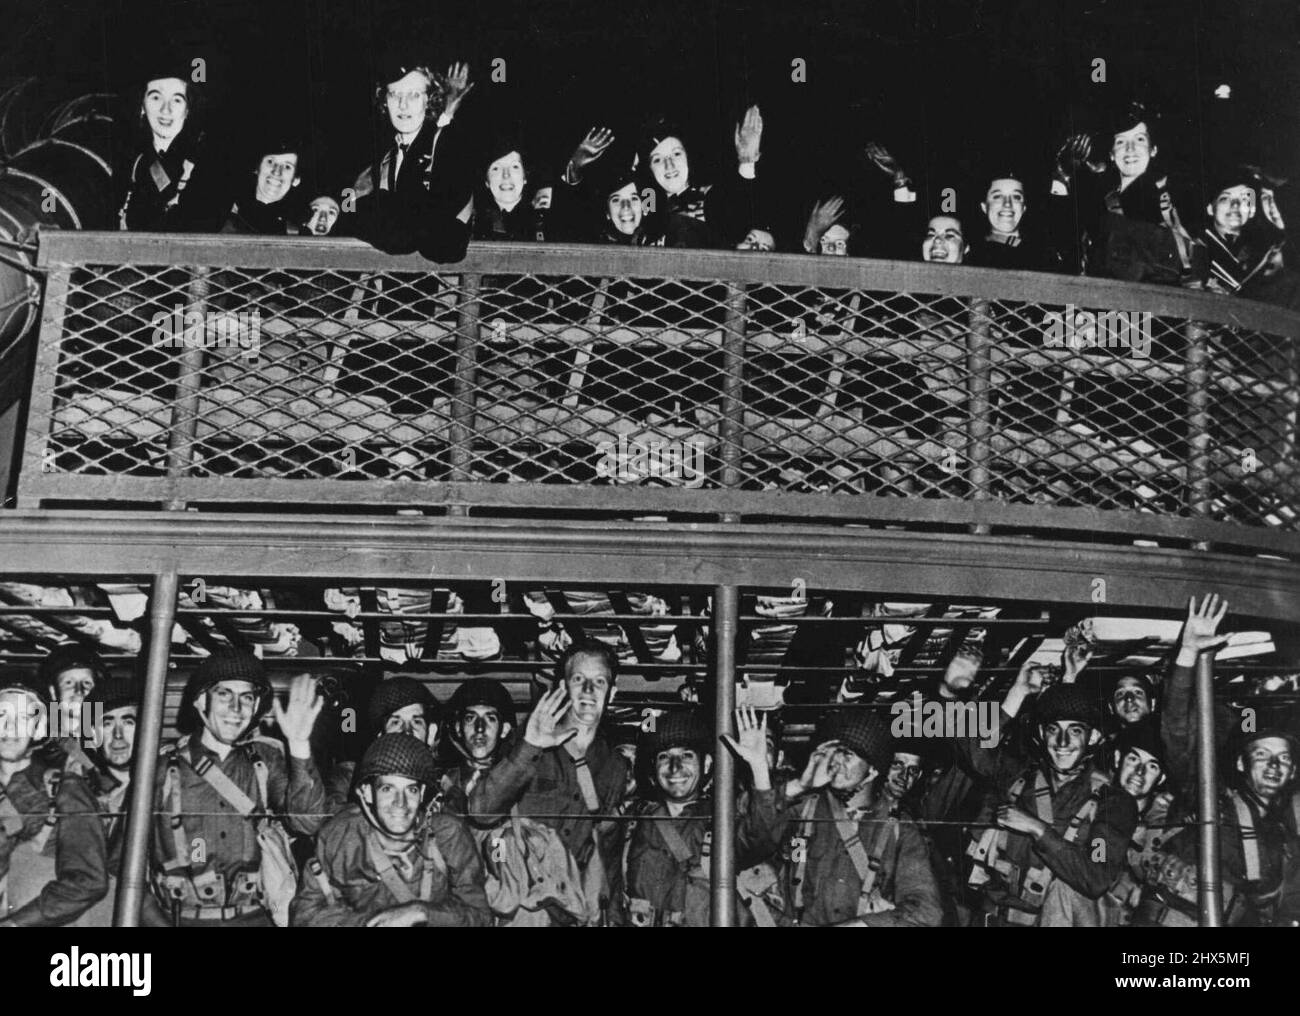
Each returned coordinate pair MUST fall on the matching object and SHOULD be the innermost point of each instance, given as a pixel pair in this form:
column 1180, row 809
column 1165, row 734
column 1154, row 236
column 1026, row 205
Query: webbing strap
column 224, row 785
column 322, row 880
column 677, row 846
column 399, row 890
column 586, row 784
column 805, row 832
column 42, row 837
column 867, row 864
column 1249, row 836
column 433, row 862
column 1038, row 878
column 263, row 774
column 761, row 913
column 172, row 790
column 987, row 849
column 12, row 821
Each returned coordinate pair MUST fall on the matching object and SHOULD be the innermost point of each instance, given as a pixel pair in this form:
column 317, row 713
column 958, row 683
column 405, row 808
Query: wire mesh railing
column 226, row 369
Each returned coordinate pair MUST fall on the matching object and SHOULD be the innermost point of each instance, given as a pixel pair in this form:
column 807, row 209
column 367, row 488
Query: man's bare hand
column 817, row 773
column 297, row 719
column 544, row 728
column 1200, row 631
column 1011, row 817
column 750, row 742
column 1073, row 659
column 749, row 136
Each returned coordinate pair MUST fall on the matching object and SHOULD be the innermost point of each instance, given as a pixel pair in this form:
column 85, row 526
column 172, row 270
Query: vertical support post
column 731, row 423
column 979, row 420
column 185, row 409
column 134, row 880
column 1198, row 421
column 462, row 403
column 722, row 860
column 1210, row 880
column 38, row 450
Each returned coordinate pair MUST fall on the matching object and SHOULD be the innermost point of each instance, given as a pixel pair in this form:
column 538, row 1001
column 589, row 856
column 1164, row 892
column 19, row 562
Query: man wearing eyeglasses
column 215, row 783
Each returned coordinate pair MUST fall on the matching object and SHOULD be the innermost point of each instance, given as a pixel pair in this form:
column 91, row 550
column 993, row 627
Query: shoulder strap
column 864, row 863
column 263, row 773
column 55, row 781
column 172, row 793
column 1249, row 836
column 1042, row 797
column 216, row 779
column 672, row 838
column 9, row 817
column 587, row 784
column 433, row 862
column 317, row 872
column 399, row 890
column 806, row 814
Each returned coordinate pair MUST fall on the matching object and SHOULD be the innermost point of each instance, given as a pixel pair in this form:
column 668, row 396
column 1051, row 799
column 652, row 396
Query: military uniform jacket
column 1072, row 860
column 59, row 881
column 344, row 859
column 544, row 784
column 656, row 874
column 831, row 887
column 218, row 837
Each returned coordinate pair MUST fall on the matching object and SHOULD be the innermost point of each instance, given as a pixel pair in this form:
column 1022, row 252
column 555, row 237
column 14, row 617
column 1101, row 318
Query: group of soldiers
column 455, row 815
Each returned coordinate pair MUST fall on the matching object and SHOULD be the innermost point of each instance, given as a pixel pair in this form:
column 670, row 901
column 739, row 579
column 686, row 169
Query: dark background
column 953, row 87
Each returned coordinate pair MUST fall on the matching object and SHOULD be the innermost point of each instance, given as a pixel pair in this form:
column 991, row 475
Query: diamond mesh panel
column 563, row 379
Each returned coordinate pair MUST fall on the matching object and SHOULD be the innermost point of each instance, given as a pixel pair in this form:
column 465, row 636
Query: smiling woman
column 171, row 184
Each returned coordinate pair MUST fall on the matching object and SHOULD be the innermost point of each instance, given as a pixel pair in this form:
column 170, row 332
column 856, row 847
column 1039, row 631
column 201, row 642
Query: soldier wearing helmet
column 482, row 715
column 667, row 864
column 1056, row 834
column 1140, row 764
column 212, row 785
column 52, row 856
column 387, row 860
column 846, row 860
column 399, row 705
column 71, row 671
column 1258, row 811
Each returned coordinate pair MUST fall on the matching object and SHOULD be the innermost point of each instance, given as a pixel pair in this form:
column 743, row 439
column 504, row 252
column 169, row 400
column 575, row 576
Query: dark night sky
column 950, row 85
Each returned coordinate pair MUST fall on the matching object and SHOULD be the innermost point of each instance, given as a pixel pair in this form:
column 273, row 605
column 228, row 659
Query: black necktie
column 393, row 169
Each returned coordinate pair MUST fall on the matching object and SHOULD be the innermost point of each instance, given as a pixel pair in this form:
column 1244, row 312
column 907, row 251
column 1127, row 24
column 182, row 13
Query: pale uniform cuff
column 747, row 170
column 1186, row 658
column 1059, row 189
column 904, row 195
column 443, row 120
